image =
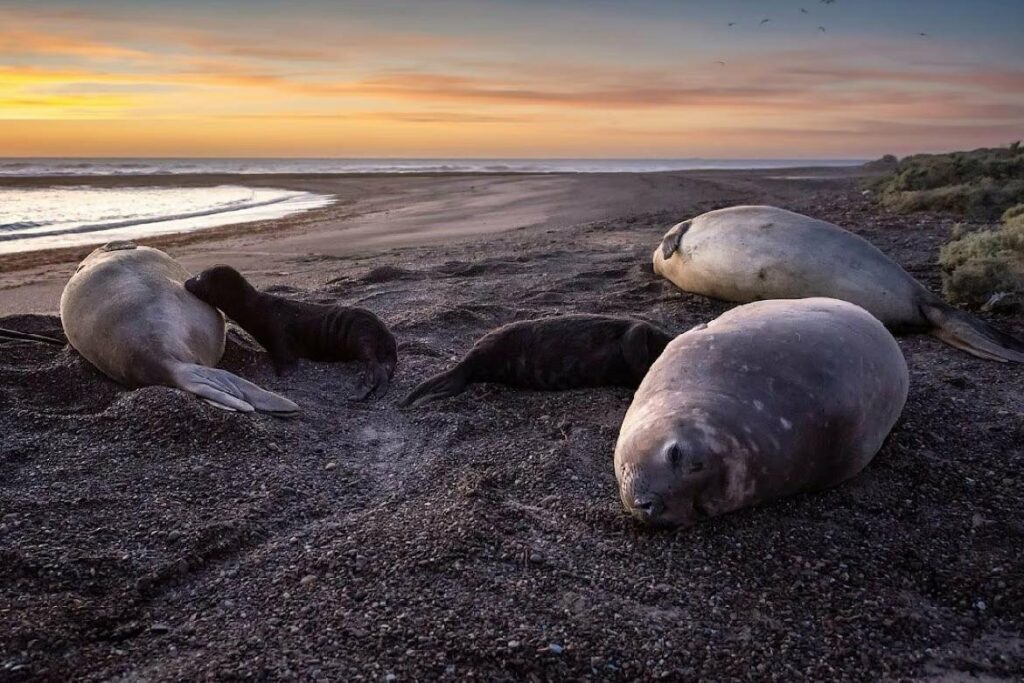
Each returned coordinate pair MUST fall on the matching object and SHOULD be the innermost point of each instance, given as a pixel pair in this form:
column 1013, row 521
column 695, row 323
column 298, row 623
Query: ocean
column 28, row 167
column 48, row 217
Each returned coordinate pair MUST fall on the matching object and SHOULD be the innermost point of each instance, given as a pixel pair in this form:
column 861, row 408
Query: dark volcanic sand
column 147, row 536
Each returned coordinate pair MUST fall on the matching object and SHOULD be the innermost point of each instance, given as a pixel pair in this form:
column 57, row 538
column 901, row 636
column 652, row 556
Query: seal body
column 768, row 400
column 126, row 311
column 751, row 253
column 291, row 330
column 563, row 352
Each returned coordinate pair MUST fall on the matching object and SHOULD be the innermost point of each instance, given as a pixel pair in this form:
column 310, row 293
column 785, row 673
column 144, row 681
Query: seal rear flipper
column 450, row 383
column 224, row 390
column 972, row 334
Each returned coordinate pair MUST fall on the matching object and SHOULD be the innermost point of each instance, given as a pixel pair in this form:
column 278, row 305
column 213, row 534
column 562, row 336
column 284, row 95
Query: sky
column 509, row 78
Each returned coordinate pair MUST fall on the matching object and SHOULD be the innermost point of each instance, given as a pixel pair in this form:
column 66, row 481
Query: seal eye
column 674, row 455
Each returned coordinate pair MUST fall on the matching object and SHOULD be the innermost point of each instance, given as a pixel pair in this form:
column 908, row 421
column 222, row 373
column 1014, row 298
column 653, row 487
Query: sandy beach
column 147, row 536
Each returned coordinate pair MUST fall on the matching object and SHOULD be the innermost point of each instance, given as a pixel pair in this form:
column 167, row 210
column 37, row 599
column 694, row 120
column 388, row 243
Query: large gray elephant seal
column 750, row 253
column 768, row 400
column 127, row 312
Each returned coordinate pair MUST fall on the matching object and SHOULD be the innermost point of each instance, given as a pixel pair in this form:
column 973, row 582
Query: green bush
column 982, row 183
column 984, row 263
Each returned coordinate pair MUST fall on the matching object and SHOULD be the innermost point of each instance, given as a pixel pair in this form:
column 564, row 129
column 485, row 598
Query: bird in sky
column 923, row 35
column 828, row 2
column 732, row 23
column 803, row 11
column 720, row 62
column 764, row 21
column 822, row 29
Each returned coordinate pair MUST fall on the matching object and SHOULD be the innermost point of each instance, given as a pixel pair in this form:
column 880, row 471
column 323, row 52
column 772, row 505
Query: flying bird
column 732, row 23
column 803, row 11
column 720, row 62
column 822, row 29
column 923, row 35
column 764, row 21
column 828, row 2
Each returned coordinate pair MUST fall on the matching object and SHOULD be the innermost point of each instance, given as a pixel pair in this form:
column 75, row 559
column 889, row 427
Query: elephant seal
column 290, row 330
column 770, row 399
column 750, row 253
column 126, row 311
column 564, row 352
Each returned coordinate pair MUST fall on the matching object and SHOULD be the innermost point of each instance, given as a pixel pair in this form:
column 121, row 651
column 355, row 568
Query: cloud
column 25, row 42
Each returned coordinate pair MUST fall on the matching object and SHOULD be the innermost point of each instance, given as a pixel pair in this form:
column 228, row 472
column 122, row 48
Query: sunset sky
column 508, row 78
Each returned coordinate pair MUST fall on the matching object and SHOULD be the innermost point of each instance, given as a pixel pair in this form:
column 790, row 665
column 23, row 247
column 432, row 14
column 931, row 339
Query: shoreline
column 375, row 212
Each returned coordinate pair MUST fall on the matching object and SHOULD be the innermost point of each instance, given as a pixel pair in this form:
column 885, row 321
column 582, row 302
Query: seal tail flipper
column 224, row 390
column 450, row 383
column 972, row 334
column 375, row 382
column 25, row 336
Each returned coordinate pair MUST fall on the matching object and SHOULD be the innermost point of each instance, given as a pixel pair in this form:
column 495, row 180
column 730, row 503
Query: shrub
column 983, row 182
column 982, row 264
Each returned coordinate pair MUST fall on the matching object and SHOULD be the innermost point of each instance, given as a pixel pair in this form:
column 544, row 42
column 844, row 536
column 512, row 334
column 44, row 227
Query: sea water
column 83, row 167
column 53, row 217
column 48, row 217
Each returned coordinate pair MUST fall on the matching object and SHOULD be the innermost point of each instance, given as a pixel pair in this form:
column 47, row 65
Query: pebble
column 330, row 466
column 307, row 579
column 555, row 648
column 159, row 628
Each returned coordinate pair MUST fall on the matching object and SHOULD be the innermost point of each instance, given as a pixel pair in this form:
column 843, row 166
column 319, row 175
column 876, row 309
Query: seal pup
column 563, row 352
column 750, row 253
column 290, row 330
column 768, row 400
column 126, row 311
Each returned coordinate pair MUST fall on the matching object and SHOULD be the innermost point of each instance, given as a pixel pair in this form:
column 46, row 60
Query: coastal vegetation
column 982, row 183
column 986, row 267
column 983, row 268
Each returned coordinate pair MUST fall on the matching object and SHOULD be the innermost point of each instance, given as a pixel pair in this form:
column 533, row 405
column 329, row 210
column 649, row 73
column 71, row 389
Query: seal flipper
column 450, row 383
column 641, row 346
column 375, row 382
column 972, row 334
column 224, row 390
column 670, row 242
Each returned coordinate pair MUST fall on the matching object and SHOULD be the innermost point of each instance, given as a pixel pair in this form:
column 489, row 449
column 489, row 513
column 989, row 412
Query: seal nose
column 647, row 508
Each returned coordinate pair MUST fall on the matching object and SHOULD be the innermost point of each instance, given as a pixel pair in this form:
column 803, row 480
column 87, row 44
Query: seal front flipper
column 641, row 346
column 972, row 334
column 670, row 242
column 374, row 382
column 450, row 383
column 224, row 390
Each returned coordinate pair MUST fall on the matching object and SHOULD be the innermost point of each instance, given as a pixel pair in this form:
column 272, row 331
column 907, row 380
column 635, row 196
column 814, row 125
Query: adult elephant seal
column 290, row 330
column 562, row 352
column 750, row 253
column 126, row 311
column 770, row 399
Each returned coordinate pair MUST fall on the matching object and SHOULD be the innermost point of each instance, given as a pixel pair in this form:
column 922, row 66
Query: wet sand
column 145, row 535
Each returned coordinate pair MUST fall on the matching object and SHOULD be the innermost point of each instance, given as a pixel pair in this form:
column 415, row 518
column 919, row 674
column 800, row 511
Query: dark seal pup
column 564, row 352
column 290, row 330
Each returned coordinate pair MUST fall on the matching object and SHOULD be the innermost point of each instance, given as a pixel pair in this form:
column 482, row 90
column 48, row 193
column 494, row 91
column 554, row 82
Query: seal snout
column 648, row 508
